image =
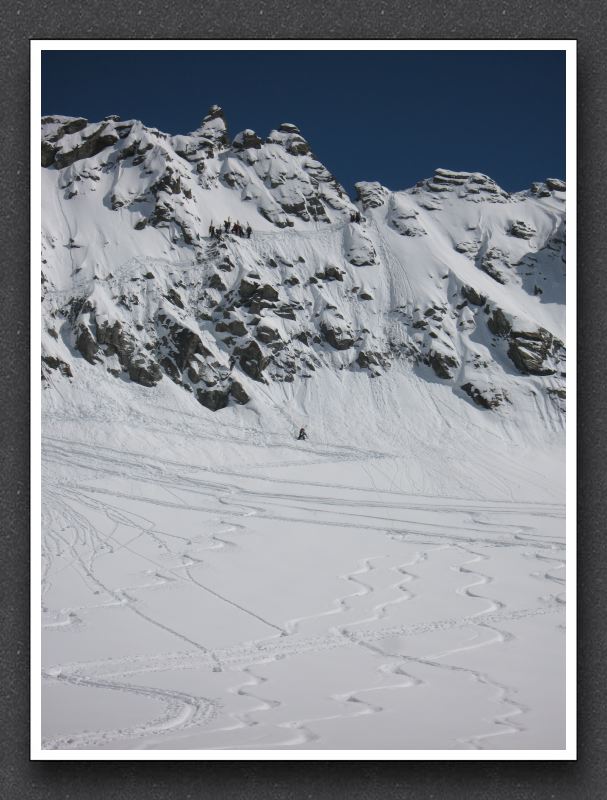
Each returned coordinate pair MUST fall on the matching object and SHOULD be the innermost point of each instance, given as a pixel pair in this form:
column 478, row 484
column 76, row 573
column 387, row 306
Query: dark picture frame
column 20, row 777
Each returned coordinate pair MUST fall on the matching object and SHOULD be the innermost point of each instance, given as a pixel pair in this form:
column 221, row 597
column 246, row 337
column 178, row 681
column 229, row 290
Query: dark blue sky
column 388, row 116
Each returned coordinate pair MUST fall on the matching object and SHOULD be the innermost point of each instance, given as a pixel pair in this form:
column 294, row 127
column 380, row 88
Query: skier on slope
column 302, row 434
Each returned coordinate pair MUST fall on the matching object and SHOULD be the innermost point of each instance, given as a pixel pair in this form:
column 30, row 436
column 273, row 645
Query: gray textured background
column 20, row 21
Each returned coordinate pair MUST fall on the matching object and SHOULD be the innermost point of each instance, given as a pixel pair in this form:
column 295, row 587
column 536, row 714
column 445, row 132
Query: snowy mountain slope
column 396, row 581
column 453, row 282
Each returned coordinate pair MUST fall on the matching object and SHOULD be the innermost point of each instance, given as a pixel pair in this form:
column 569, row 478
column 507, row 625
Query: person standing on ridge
column 226, row 225
column 211, row 230
column 249, row 231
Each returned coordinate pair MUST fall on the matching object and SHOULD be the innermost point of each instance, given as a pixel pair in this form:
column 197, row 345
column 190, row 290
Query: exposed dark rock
column 286, row 312
column 493, row 263
column 171, row 370
column 530, row 351
column 237, row 327
column 443, row 364
column 248, row 288
column 331, row 273
column 490, row 397
column 267, row 334
column 268, row 292
column 174, row 297
column 48, row 153
column 238, row 393
column 58, row 363
column 245, row 140
column 316, row 209
column 252, row 360
column 371, row 194
column 368, row 359
column 187, row 344
column 337, row 337
column 498, row 323
column 473, row 296
column 144, row 372
column 97, row 142
column 86, row 344
column 522, row 230
column 213, row 399
column 215, row 282
column 168, row 182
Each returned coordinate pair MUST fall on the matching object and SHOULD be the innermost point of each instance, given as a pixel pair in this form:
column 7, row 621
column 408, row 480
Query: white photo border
column 569, row 47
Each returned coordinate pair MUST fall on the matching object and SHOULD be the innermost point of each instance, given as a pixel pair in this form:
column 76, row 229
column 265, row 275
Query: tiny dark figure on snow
column 249, row 231
column 226, row 226
column 302, row 434
column 211, row 230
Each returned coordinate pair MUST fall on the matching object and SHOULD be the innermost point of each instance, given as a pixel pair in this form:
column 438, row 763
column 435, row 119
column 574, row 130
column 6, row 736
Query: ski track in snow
column 364, row 616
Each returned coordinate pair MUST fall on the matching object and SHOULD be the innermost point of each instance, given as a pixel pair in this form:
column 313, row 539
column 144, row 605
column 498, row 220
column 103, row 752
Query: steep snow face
column 453, row 284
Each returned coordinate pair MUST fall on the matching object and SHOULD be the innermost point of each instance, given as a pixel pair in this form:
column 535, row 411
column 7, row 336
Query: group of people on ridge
column 230, row 227
column 355, row 216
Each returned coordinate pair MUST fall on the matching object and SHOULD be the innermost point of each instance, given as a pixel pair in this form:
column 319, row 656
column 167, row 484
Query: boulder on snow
column 443, row 363
column 338, row 337
column 331, row 273
column 213, row 399
column 488, row 397
column 521, row 229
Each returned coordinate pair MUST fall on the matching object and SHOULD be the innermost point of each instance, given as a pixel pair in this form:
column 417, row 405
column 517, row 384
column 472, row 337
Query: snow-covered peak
column 454, row 282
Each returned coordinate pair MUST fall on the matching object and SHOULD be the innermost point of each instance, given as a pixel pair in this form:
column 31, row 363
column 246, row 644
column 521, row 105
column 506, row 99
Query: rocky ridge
column 455, row 278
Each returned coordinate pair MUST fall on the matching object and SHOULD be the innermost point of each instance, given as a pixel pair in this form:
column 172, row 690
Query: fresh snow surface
column 211, row 583
column 395, row 582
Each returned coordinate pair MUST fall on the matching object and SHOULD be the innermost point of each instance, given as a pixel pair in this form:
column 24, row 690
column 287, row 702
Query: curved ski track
column 69, row 533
